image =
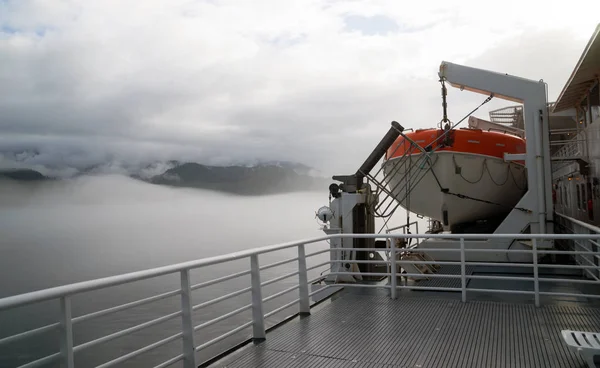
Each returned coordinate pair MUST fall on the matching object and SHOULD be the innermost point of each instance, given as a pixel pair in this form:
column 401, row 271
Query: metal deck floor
column 374, row 331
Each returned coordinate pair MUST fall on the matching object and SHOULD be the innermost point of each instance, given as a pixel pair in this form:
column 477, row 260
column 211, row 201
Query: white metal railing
column 570, row 149
column 64, row 294
column 406, row 229
column 575, row 226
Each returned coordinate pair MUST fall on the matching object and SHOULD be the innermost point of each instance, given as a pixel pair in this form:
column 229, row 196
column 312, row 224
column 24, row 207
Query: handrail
column 84, row 286
column 401, row 226
column 580, row 223
column 64, row 293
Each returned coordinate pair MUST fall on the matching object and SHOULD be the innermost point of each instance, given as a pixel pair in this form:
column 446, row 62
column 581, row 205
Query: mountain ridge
column 264, row 178
column 246, row 180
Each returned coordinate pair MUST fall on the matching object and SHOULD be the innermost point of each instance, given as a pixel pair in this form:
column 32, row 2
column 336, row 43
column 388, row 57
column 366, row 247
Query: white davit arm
column 486, row 82
column 532, row 94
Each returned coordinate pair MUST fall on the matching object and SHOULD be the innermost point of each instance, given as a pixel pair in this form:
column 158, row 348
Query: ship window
column 583, row 197
column 578, row 197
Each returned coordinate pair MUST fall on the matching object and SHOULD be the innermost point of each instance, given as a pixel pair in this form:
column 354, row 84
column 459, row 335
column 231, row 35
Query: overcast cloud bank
column 91, row 83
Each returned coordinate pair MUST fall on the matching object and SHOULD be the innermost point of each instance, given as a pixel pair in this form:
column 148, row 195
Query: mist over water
column 99, row 226
column 61, row 232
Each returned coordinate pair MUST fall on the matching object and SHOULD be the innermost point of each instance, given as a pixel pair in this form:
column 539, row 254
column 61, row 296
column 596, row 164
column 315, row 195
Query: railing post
column 463, row 271
column 417, row 229
column 303, row 280
column 66, row 333
column 187, row 324
column 536, row 281
column 393, row 266
column 258, row 317
column 594, row 248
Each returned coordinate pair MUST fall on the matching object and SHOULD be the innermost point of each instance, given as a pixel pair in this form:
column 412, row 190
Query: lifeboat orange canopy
column 474, row 141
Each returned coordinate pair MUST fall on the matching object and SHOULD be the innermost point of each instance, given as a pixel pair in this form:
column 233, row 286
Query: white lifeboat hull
column 490, row 186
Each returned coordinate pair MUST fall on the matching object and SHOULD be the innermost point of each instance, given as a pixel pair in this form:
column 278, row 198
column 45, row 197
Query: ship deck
column 368, row 329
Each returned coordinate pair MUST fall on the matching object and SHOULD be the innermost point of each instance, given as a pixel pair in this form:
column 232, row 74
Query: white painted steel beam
column 537, row 160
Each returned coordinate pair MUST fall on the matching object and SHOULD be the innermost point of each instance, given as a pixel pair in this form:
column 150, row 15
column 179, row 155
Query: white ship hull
column 481, row 178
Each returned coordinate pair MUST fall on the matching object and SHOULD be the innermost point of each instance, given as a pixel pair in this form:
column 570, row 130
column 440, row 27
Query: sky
column 233, row 81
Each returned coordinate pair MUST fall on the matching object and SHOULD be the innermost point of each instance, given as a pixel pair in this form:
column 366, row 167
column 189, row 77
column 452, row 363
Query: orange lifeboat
column 458, row 177
column 472, row 141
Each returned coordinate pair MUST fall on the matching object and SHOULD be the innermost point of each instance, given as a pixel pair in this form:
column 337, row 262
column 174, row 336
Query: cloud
column 228, row 81
column 375, row 25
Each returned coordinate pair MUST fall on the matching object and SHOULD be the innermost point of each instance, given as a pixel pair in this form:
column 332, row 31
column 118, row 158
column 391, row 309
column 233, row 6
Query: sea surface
column 92, row 227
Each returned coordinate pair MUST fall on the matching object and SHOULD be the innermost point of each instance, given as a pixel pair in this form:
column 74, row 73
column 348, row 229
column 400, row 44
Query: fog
column 66, row 231
column 95, row 226
column 58, row 232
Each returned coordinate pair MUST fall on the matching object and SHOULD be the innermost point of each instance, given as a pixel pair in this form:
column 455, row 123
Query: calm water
column 100, row 226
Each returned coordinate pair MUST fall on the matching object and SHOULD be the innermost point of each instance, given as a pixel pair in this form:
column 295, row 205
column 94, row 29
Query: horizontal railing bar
column 570, row 294
column 577, row 281
column 517, row 251
column 468, row 236
column 567, row 252
column 271, row 265
column 425, row 250
column 499, row 264
column 135, row 353
column 432, row 288
column 319, row 252
column 360, row 261
column 401, row 226
column 430, row 262
column 84, row 286
column 516, row 278
column 317, row 266
column 280, row 293
column 170, row 361
column 361, row 249
column 221, row 298
column 502, row 291
column 380, row 286
column 575, row 267
column 580, row 223
column 361, row 273
column 279, row 278
column 121, row 307
column 42, row 361
column 425, row 275
column 220, row 279
column 267, row 315
column 223, row 317
column 22, row 335
column 125, row 332
column 80, row 287
column 224, row 336
column 55, row 292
